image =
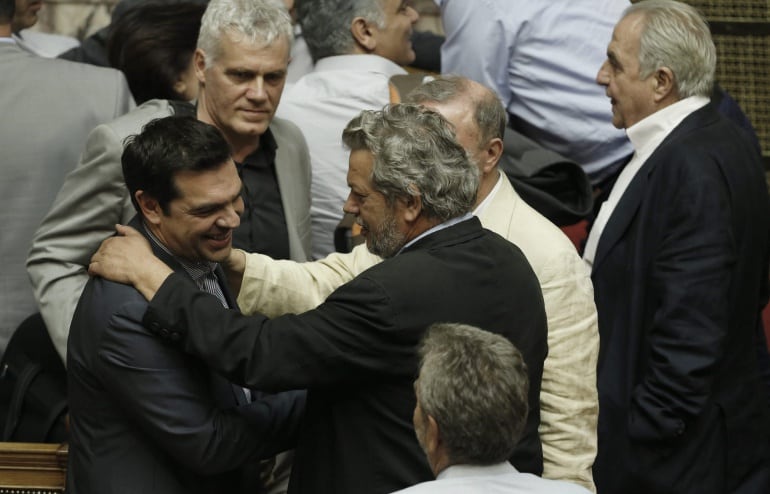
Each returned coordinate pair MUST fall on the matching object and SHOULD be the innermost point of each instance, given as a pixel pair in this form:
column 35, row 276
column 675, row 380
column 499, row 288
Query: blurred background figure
column 541, row 59
column 50, row 107
column 153, row 45
column 47, row 45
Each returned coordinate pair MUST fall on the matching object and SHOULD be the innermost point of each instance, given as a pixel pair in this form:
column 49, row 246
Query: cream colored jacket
column 568, row 398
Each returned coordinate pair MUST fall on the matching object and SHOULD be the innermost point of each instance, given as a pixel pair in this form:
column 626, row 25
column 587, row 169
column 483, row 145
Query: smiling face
column 632, row 98
column 394, row 39
column 242, row 87
column 379, row 221
column 198, row 225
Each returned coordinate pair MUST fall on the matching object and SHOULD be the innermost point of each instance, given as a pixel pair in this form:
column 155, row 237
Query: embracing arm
column 128, row 258
column 349, row 338
column 276, row 287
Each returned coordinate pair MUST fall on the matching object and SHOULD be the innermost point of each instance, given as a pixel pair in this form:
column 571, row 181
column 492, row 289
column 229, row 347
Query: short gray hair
column 258, row 21
column 675, row 35
column 489, row 115
column 474, row 384
column 416, row 154
column 326, row 24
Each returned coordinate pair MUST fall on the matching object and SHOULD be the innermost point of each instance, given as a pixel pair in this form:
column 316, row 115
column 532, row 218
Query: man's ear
column 199, row 59
column 412, row 207
column 491, row 155
column 363, row 35
column 665, row 84
column 150, row 207
column 432, row 436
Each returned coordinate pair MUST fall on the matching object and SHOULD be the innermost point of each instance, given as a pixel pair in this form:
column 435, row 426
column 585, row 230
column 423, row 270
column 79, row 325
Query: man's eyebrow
column 204, row 208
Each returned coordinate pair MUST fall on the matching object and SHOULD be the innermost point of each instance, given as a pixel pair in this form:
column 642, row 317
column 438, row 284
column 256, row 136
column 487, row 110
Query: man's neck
column 439, row 461
column 5, row 31
column 487, row 183
column 242, row 146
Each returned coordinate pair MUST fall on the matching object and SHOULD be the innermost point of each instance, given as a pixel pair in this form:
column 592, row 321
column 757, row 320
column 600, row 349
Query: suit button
column 164, row 332
column 154, row 326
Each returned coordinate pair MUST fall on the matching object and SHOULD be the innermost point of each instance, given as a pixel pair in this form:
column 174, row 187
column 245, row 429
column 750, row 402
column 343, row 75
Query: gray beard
column 386, row 241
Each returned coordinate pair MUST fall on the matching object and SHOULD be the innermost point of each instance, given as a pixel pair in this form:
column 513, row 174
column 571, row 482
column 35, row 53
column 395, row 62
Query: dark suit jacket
column 356, row 352
column 147, row 419
column 678, row 278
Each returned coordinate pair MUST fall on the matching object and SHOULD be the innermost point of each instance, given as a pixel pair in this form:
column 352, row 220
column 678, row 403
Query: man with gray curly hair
column 471, row 409
column 679, row 257
column 412, row 187
column 398, row 160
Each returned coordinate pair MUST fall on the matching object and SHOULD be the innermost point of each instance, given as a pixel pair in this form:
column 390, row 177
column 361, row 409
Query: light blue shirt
column 491, row 479
column 542, row 57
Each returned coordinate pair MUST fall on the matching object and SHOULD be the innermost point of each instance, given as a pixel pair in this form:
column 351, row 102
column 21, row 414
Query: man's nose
column 257, row 89
column 602, row 77
column 230, row 219
column 350, row 206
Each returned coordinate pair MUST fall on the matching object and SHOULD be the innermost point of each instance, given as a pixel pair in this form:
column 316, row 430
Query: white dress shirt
column 541, row 57
column 321, row 104
column 645, row 135
column 47, row 45
column 501, row 478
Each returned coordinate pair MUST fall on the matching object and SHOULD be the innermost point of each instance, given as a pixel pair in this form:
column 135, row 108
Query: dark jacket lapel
column 629, row 204
column 227, row 394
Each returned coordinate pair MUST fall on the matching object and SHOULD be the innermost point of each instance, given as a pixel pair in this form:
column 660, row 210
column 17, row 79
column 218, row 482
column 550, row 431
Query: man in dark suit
column 679, row 254
column 411, row 189
column 145, row 418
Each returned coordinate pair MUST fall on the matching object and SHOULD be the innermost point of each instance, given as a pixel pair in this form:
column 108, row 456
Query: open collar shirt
column 646, row 135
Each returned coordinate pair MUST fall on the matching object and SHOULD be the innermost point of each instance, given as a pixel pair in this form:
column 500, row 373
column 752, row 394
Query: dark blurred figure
column 153, row 44
column 93, row 49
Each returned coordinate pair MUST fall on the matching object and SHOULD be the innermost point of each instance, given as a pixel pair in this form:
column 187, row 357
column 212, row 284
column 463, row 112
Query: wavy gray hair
column 675, row 35
column 416, row 154
column 326, row 24
column 257, row 21
column 474, row 384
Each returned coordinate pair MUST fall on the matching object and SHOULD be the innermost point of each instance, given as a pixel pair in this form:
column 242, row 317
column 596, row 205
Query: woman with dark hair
column 153, row 44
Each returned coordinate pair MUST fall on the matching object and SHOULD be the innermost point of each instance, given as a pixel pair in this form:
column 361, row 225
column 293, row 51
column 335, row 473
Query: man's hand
column 234, row 267
column 127, row 258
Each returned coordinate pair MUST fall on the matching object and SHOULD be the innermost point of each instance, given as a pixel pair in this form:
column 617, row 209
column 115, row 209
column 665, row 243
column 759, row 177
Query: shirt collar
column 359, row 62
column 658, row 125
column 455, row 471
column 439, row 227
column 195, row 269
